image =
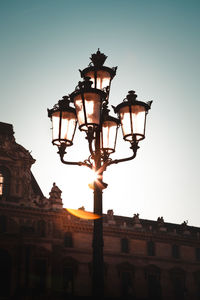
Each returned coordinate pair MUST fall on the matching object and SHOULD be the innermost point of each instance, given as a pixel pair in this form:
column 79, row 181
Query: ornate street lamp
column 90, row 100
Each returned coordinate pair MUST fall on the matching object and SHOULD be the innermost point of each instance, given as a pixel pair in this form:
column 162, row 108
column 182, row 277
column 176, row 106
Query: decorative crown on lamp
column 100, row 75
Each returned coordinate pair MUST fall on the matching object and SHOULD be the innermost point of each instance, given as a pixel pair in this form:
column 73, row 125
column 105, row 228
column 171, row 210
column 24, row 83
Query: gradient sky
column 156, row 46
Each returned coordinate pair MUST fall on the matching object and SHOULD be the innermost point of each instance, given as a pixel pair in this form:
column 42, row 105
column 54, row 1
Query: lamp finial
column 98, row 58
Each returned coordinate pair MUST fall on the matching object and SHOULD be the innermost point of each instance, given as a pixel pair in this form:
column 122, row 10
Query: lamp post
column 88, row 106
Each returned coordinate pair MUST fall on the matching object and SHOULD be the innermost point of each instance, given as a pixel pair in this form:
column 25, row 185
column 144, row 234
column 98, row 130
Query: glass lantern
column 132, row 114
column 109, row 134
column 64, row 122
column 88, row 103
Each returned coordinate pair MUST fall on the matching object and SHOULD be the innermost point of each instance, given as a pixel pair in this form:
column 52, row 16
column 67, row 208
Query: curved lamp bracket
column 108, row 162
column 134, row 147
column 62, row 152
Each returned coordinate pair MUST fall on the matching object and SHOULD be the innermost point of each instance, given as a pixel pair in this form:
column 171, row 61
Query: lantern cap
column 131, row 99
column 62, row 105
column 85, row 84
column 106, row 116
column 98, row 58
column 85, row 87
column 96, row 64
column 132, row 96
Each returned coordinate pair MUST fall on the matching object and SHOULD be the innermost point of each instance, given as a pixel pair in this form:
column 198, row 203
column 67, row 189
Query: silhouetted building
column 46, row 253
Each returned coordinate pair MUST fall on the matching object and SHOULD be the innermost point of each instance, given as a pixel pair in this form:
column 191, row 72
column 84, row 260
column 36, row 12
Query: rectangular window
column 3, row 224
column 175, row 251
column 151, row 248
column 1, row 184
column 198, row 254
column 4, row 181
column 124, row 245
column 68, row 240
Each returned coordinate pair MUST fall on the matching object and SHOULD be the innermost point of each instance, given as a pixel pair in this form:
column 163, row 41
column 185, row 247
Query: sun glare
column 94, row 177
column 82, row 214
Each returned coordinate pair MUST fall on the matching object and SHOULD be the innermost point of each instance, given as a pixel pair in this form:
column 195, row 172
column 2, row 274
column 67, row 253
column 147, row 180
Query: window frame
column 125, row 245
column 151, row 248
column 176, row 253
column 197, row 254
column 68, row 240
column 4, row 181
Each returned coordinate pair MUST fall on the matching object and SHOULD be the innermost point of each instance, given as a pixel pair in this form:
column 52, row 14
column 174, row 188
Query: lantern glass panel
column 64, row 124
column 102, row 80
column 90, row 116
column 55, row 125
column 133, row 123
column 108, row 136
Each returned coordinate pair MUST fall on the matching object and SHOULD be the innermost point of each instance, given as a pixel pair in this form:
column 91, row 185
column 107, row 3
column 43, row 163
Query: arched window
column 70, row 268
column 153, row 282
column 5, row 273
column 126, row 275
column 4, row 181
column 197, row 283
column 178, row 283
column 68, row 280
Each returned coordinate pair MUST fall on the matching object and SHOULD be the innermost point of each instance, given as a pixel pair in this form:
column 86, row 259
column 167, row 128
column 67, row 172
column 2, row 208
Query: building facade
column 46, row 253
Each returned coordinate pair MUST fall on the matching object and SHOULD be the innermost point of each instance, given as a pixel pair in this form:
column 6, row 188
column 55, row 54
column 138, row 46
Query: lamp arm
column 75, row 163
column 62, row 152
column 116, row 161
column 134, row 147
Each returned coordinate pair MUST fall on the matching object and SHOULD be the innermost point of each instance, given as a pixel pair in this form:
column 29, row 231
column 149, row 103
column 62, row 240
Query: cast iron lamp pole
column 88, row 105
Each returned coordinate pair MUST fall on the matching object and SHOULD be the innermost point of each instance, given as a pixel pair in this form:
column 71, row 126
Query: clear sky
column 156, row 46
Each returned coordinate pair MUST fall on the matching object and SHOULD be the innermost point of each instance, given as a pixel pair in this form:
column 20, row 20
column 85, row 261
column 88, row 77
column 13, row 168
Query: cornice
column 67, row 222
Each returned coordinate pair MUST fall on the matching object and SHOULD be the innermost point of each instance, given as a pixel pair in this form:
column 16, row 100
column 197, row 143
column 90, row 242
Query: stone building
column 46, row 253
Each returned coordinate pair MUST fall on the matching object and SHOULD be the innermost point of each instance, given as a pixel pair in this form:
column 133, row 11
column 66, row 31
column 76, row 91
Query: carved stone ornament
column 9, row 148
column 55, row 197
column 55, row 192
column 160, row 222
column 136, row 219
column 110, row 217
column 136, row 222
column 40, row 202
